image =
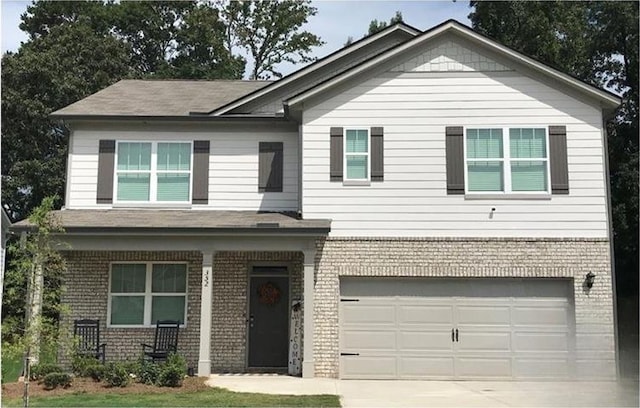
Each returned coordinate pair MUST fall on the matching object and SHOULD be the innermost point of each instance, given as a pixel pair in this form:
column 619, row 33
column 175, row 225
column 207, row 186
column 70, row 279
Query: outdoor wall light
column 589, row 279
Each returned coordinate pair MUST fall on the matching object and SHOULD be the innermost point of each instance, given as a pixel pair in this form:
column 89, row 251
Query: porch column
column 204, row 359
column 308, row 363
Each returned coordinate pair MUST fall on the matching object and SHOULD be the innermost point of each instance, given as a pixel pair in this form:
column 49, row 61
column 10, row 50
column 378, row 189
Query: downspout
column 607, row 184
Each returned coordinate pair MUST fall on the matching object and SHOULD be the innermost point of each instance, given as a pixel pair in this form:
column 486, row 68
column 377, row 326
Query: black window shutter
column 455, row 159
column 558, row 160
column 335, row 168
column 200, row 190
column 377, row 154
column 270, row 167
column 106, row 160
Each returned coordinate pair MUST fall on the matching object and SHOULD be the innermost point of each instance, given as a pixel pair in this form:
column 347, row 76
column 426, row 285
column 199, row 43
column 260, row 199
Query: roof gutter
column 171, row 118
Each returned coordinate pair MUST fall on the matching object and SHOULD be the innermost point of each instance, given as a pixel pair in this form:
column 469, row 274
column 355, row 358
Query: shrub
column 132, row 367
column 148, row 372
column 96, row 372
column 116, row 375
column 80, row 363
column 53, row 380
column 172, row 372
column 170, row 376
column 40, row 370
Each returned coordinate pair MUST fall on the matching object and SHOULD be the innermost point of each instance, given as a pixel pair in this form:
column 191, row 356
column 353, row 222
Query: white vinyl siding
column 415, row 109
column 233, row 163
column 142, row 293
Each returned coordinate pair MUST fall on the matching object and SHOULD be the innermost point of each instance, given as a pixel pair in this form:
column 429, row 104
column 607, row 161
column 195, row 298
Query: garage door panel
column 426, row 314
column 425, row 340
column 540, row 368
column 364, row 314
column 484, row 341
column 542, row 316
column 478, row 367
column 484, row 315
column 540, row 341
column 382, row 367
column 368, row 340
column 425, row 367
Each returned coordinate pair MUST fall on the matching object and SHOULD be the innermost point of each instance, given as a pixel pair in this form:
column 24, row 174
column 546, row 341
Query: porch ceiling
column 196, row 222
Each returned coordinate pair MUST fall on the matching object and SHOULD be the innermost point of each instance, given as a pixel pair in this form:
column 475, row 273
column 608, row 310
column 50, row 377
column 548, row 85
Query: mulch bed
column 88, row 386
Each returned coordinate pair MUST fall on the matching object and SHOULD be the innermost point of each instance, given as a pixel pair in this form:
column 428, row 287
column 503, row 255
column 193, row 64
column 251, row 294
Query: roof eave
column 606, row 99
column 310, row 68
column 166, row 118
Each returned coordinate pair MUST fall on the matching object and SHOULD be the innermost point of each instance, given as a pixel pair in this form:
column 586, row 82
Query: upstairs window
column 153, row 172
column 509, row 160
column 357, row 154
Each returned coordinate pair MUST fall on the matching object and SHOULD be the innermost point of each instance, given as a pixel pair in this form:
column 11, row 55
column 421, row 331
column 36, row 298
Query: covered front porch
column 249, row 280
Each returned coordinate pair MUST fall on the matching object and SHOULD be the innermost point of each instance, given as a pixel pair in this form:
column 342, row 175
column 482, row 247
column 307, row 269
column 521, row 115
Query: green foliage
column 116, row 375
column 39, row 371
column 59, row 379
column 148, row 372
column 172, row 371
column 270, row 31
column 95, row 372
column 375, row 25
column 80, row 364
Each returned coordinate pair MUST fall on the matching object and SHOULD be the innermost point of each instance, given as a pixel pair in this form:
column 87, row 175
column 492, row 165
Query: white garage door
column 456, row 328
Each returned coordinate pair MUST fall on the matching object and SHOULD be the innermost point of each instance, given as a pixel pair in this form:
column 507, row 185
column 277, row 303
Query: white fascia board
column 313, row 67
column 610, row 101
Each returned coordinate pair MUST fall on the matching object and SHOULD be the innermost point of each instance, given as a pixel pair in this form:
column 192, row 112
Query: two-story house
column 435, row 202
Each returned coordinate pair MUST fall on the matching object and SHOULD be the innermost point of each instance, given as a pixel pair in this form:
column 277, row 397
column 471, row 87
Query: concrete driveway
column 363, row 393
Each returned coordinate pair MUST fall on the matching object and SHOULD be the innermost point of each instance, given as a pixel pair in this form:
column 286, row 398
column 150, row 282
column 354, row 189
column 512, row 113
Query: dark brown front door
column 269, row 317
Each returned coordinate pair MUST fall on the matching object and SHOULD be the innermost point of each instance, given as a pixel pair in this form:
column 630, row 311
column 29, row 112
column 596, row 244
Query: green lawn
column 215, row 397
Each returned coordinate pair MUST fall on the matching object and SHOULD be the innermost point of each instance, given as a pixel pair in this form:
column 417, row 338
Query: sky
column 334, row 23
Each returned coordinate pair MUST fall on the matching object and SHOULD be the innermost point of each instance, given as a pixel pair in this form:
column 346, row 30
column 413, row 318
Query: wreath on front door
column 269, row 293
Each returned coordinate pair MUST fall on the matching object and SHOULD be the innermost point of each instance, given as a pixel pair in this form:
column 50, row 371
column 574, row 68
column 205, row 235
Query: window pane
column 127, row 309
column 134, row 156
column 528, row 176
column 133, row 187
column 128, row 278
column 357, row 141
column 528, row 143
column 167, row 308
column 170, row 278
column 174, row 156
column 484, row 143
column 357, row 167
column 173, row 187
column 485, row 176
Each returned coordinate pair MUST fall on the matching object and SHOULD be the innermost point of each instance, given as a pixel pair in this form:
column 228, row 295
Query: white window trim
column 148, row 294
column 506, row 160
column 153, row 174
column 353, row 181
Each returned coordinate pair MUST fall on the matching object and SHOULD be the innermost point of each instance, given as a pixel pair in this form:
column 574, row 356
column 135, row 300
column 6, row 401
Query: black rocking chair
column 165, row 341
column 87, row 334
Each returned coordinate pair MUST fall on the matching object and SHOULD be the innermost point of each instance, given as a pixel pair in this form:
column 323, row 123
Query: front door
column 268, row 317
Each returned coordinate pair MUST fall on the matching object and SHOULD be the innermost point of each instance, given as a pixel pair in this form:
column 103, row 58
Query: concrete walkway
column 364, row 393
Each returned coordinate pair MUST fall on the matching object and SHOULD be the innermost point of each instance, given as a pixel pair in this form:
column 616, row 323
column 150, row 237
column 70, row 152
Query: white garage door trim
column 431, row 328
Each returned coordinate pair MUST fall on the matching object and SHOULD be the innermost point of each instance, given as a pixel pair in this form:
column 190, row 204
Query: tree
column 598, row 43
column 375, row 25
column 41, row 267
column 48, row 73
column 270, row 32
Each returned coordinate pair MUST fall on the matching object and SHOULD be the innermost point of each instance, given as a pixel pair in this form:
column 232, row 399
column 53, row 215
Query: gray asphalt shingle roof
column 133, row 97
column 149, row 220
